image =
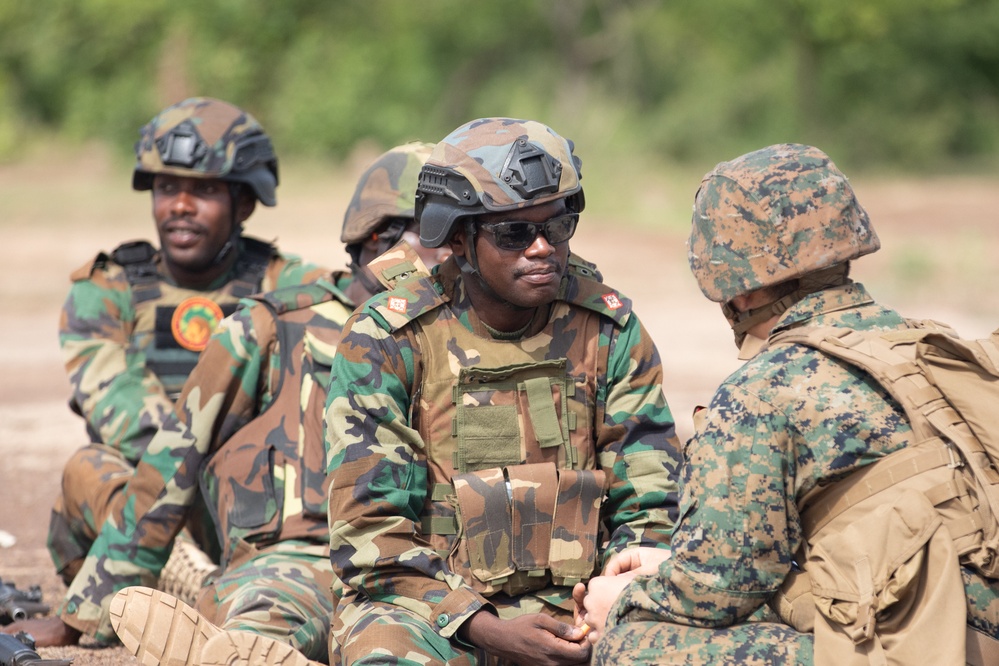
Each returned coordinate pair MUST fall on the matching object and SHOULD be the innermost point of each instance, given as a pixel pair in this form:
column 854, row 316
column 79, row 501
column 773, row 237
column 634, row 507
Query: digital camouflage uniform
column 789, row 421
column 248, row 431
column 130, row 335
column 393, row 451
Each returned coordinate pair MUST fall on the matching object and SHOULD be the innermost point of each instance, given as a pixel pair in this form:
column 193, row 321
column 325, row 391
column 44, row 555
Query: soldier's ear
column 245, row 206
column 457, row 242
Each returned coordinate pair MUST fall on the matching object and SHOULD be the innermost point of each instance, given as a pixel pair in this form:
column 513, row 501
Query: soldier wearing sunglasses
column 497, row 428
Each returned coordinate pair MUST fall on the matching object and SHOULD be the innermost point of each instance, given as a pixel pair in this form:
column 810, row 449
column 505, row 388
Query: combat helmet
column 490, row 165
column 203, row 137
column 385, row 191
column 774, row 215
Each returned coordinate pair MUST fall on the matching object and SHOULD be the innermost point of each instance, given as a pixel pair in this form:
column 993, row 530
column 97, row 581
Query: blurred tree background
column 900, row 85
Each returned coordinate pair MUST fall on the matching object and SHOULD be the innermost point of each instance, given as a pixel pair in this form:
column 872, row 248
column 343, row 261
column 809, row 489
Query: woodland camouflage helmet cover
column 774, row 215
column 494, row 164
column 207, row 138
column 387, row 189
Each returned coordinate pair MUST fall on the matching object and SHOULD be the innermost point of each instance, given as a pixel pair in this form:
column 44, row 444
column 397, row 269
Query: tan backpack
column 881, row 573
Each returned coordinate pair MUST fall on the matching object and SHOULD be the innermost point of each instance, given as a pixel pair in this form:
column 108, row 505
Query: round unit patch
column 193, row 322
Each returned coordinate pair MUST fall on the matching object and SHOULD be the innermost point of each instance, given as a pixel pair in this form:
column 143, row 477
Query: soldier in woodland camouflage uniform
column 136, row 319
column 496, row 429
column 773, row 234
column 248, row 431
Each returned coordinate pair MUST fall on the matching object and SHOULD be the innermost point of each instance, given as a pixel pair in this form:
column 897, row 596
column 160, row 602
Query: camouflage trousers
column 755, row 642
column 281, row 591
column 368, row 632
column 92, row 483
column 749, row 644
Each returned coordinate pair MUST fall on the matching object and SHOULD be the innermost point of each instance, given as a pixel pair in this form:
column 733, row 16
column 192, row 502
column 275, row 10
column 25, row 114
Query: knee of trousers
column 91, row 481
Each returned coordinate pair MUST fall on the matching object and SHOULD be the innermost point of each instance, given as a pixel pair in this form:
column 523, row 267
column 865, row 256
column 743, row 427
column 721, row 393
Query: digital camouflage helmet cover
column 774, row 215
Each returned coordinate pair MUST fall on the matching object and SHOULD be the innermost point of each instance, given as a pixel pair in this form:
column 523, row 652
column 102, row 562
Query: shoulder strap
column 586, row 289
column 399, row 263
column 136, row 257
column 254, row 257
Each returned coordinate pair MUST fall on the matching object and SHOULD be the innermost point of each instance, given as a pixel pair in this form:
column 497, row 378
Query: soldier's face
column 524, row 279
column 193, row 219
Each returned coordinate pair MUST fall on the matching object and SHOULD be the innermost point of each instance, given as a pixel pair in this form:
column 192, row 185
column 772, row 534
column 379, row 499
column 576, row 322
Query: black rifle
column 19, row 650
column 17, row 605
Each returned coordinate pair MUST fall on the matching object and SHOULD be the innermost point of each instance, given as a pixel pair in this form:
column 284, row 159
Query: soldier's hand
column 529, row 639
column 601, row 593
column 47, row 631
column 642, row 561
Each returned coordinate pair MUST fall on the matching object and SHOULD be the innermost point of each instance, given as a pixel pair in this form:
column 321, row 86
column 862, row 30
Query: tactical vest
column 515, row 492
column 268, row 482
column 173, row 324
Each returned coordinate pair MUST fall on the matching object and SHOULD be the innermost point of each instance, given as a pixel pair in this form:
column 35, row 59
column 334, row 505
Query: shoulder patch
column 410, row 299
column 594, row 295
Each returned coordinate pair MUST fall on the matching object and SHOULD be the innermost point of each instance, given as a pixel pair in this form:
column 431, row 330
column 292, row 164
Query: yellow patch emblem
column 193, row 322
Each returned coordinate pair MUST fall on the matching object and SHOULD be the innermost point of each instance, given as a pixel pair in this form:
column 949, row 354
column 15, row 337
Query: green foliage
column 883, row 83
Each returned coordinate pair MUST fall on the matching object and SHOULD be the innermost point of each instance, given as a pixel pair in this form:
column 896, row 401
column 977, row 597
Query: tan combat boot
column 160, row 629
column 187, row 571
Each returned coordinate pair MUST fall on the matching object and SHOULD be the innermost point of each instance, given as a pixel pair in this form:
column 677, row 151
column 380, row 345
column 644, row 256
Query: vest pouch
column 481, row 552
column 245, row 499
column 503, row 413
column 576, row 525
column 887, row 588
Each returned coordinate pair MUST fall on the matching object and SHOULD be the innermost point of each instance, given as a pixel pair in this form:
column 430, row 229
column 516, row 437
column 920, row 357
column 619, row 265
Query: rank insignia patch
column 612, row 301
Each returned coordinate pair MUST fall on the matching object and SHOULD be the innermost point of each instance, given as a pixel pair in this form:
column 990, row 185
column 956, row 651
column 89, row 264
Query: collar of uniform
column 824, row 302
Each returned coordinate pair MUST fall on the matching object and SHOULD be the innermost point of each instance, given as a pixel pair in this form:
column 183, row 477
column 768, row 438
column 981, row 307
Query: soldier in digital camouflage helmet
column 248, row 432
column 496, row 429
column 136, row 319
column 772, row 237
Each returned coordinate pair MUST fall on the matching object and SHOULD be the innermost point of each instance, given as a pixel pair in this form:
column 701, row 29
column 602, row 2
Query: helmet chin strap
column 234, row 224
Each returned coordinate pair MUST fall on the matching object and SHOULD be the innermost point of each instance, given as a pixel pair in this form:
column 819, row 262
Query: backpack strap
column 890, row 358
column 981, row 649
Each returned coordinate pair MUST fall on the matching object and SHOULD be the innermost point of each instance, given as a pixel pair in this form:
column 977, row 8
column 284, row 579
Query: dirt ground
column 939, row 259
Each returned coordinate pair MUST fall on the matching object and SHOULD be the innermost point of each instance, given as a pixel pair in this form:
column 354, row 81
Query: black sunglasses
column 515, row 235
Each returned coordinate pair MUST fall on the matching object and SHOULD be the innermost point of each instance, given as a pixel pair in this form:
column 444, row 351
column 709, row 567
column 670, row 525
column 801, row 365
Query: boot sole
column 158, row 628
column 242, row 648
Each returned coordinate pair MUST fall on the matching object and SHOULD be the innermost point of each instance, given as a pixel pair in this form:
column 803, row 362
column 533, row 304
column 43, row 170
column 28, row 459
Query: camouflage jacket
column 789, row 419
column 129, row 336
column 387, row 472
column 248, row 430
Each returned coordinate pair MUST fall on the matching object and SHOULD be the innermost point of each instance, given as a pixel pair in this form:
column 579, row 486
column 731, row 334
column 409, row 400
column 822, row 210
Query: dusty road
column 939, row 260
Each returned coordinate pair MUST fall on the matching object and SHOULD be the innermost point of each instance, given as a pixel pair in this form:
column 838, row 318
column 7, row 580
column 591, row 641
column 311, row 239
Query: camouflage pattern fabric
column 385, row 190
column 378, row 633
column 281, row 591
column 391, row 443
column 788, row 420
column 773, row 215
column 265, row 368
column 755, row 644
column 105, row 337
column 203, row 137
